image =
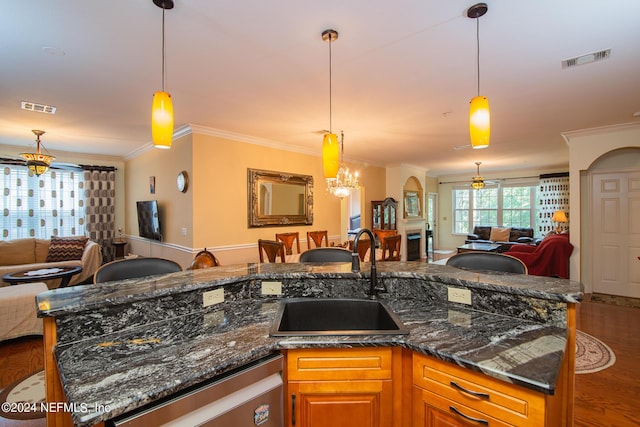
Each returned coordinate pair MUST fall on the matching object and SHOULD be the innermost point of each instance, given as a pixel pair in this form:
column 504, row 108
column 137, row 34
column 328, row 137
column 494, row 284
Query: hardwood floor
column 603, row 399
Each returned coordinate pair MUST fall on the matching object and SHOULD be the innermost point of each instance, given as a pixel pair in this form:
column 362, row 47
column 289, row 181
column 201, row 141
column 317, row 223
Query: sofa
column 33, row 254
column 549, row 258
column 503, row 236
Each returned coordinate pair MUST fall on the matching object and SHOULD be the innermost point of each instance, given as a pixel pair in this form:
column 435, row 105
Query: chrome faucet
column 355, row 262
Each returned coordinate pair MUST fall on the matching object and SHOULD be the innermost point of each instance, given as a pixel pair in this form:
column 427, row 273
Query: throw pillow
column 500, row 234
column 66, row 248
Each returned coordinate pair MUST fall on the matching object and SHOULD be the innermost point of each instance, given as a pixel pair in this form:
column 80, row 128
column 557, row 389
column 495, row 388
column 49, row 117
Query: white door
column 616, row 233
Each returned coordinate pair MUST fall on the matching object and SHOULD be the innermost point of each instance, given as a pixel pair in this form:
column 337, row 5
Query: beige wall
column 214, row 210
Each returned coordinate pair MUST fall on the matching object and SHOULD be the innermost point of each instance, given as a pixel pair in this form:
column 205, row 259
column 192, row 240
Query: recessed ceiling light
column 40, row 108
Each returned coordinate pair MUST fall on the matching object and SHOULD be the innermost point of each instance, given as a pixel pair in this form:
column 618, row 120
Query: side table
column 119, row 245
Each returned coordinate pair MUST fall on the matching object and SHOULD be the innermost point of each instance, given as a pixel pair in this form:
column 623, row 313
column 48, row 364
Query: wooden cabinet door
column 340, row 404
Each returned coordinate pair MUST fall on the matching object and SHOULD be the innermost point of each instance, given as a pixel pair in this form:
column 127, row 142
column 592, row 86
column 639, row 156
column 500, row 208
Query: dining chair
column 332, row 254
column 204, row 259
column 364, row 245
column 273, row 249
column 289, row 239
column 391, row 247
column 488, row 261
column 382, row 234
column 317, row 237
column 133, row 268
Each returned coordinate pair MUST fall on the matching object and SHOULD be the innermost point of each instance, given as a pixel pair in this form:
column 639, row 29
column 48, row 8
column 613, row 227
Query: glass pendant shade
column 162, row 120
column 477, row 183
column 479, row 122
column 330, row 155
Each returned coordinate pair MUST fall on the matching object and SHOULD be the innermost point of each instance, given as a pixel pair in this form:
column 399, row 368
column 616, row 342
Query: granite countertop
column 114, row 369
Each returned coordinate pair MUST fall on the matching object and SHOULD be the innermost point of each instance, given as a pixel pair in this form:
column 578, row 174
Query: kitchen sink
column 324, row 316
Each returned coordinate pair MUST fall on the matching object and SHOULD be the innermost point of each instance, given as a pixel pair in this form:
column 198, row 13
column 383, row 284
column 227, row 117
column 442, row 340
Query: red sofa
column 549, row 258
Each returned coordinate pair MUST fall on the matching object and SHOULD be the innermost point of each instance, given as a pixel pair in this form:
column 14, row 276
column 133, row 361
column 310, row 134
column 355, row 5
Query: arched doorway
column 614, row 222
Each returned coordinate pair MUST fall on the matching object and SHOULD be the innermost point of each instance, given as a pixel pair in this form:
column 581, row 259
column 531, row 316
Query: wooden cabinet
column 444, row 394
column 383, row 214
column 340, row 387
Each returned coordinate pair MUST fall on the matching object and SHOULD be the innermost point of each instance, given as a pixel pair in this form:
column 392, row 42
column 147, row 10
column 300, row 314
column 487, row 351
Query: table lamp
column 559, row 217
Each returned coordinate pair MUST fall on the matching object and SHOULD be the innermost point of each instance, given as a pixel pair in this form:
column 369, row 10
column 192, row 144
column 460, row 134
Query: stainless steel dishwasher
column 249, row 396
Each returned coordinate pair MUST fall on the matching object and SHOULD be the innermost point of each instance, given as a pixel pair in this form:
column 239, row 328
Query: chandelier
column 345, row 181
column 37, row 162
column 478, row 182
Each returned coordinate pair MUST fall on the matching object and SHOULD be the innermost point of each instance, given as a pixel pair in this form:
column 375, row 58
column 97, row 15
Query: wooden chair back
column 317, row 237
column 204, row 259
column 382, row 234
column 391, row 248
column 364, row 245
column 272, row 248
column 289, row 239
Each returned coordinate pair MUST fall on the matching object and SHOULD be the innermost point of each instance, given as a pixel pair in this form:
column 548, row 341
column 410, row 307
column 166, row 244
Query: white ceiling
column 403, row 74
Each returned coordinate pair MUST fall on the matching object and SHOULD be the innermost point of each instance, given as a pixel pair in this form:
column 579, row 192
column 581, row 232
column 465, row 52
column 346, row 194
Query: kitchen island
column 118, row 346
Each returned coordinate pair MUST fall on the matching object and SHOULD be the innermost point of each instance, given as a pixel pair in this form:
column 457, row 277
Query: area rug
column 21, row 400
column 592, row 355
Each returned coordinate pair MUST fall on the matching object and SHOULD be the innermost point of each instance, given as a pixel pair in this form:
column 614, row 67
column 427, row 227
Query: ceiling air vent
column 40, row 108
column 586, row 59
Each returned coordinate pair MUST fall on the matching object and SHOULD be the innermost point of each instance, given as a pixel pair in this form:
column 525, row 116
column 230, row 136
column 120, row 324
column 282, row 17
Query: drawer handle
column 475, row 420
column 472, row 393
column 293, row 409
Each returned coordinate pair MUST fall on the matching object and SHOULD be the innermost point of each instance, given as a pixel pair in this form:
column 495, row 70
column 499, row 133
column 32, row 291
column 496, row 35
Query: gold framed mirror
column 412, row 204
column 279, row 198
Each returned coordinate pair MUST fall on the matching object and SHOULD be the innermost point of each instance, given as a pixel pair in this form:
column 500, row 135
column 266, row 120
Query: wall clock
column 182, row 181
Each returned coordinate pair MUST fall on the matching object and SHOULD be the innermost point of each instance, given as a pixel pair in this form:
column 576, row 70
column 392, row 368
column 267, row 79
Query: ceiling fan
column 38, row 162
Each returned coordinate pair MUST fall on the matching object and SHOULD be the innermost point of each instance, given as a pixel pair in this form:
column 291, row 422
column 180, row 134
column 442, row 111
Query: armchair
column 549, row 258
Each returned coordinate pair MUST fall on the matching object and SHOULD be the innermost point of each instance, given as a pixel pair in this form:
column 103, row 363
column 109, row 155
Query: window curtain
column 554, row 196
column 41, row 206
column 100, row 197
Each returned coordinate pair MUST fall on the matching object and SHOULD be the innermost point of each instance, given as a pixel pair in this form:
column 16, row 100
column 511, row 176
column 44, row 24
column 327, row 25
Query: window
column 506, row 205
column 49, row 205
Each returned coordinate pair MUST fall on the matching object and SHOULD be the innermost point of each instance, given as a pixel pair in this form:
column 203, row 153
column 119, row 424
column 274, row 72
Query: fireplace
column 413, row 246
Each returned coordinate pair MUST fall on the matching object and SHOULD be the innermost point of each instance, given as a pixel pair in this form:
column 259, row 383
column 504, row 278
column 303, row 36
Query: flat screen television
column 148, row 220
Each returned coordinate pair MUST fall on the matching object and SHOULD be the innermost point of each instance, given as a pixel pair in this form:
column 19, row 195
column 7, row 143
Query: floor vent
column 586, row 59
column 40, row 108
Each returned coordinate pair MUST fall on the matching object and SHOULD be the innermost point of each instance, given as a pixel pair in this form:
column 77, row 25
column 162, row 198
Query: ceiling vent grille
column 40, row 108
column 586, row 59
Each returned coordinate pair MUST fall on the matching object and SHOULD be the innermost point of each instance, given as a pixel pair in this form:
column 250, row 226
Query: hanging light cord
column 330, row 103
column 163, row 48
column 478, row 51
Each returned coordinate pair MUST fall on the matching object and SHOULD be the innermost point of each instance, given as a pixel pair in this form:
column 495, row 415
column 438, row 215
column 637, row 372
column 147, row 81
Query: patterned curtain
column 41, row 206
column 100, row 197
column 554, row 196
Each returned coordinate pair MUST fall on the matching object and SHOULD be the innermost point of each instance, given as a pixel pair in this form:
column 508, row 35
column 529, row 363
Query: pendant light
column 479, row 117
column 330, row 146
column 162, row 107
column 478, row 182
column 37, row 162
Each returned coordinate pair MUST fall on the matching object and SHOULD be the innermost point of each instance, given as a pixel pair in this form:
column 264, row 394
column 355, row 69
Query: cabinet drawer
column 511, row 403
column 339, row 364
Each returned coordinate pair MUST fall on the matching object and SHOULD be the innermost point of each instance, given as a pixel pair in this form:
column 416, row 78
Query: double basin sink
column 342, row 316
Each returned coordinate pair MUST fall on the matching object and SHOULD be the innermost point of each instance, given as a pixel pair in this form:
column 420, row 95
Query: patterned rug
column 616, row 300
column 21, row 400
column 592, row 355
